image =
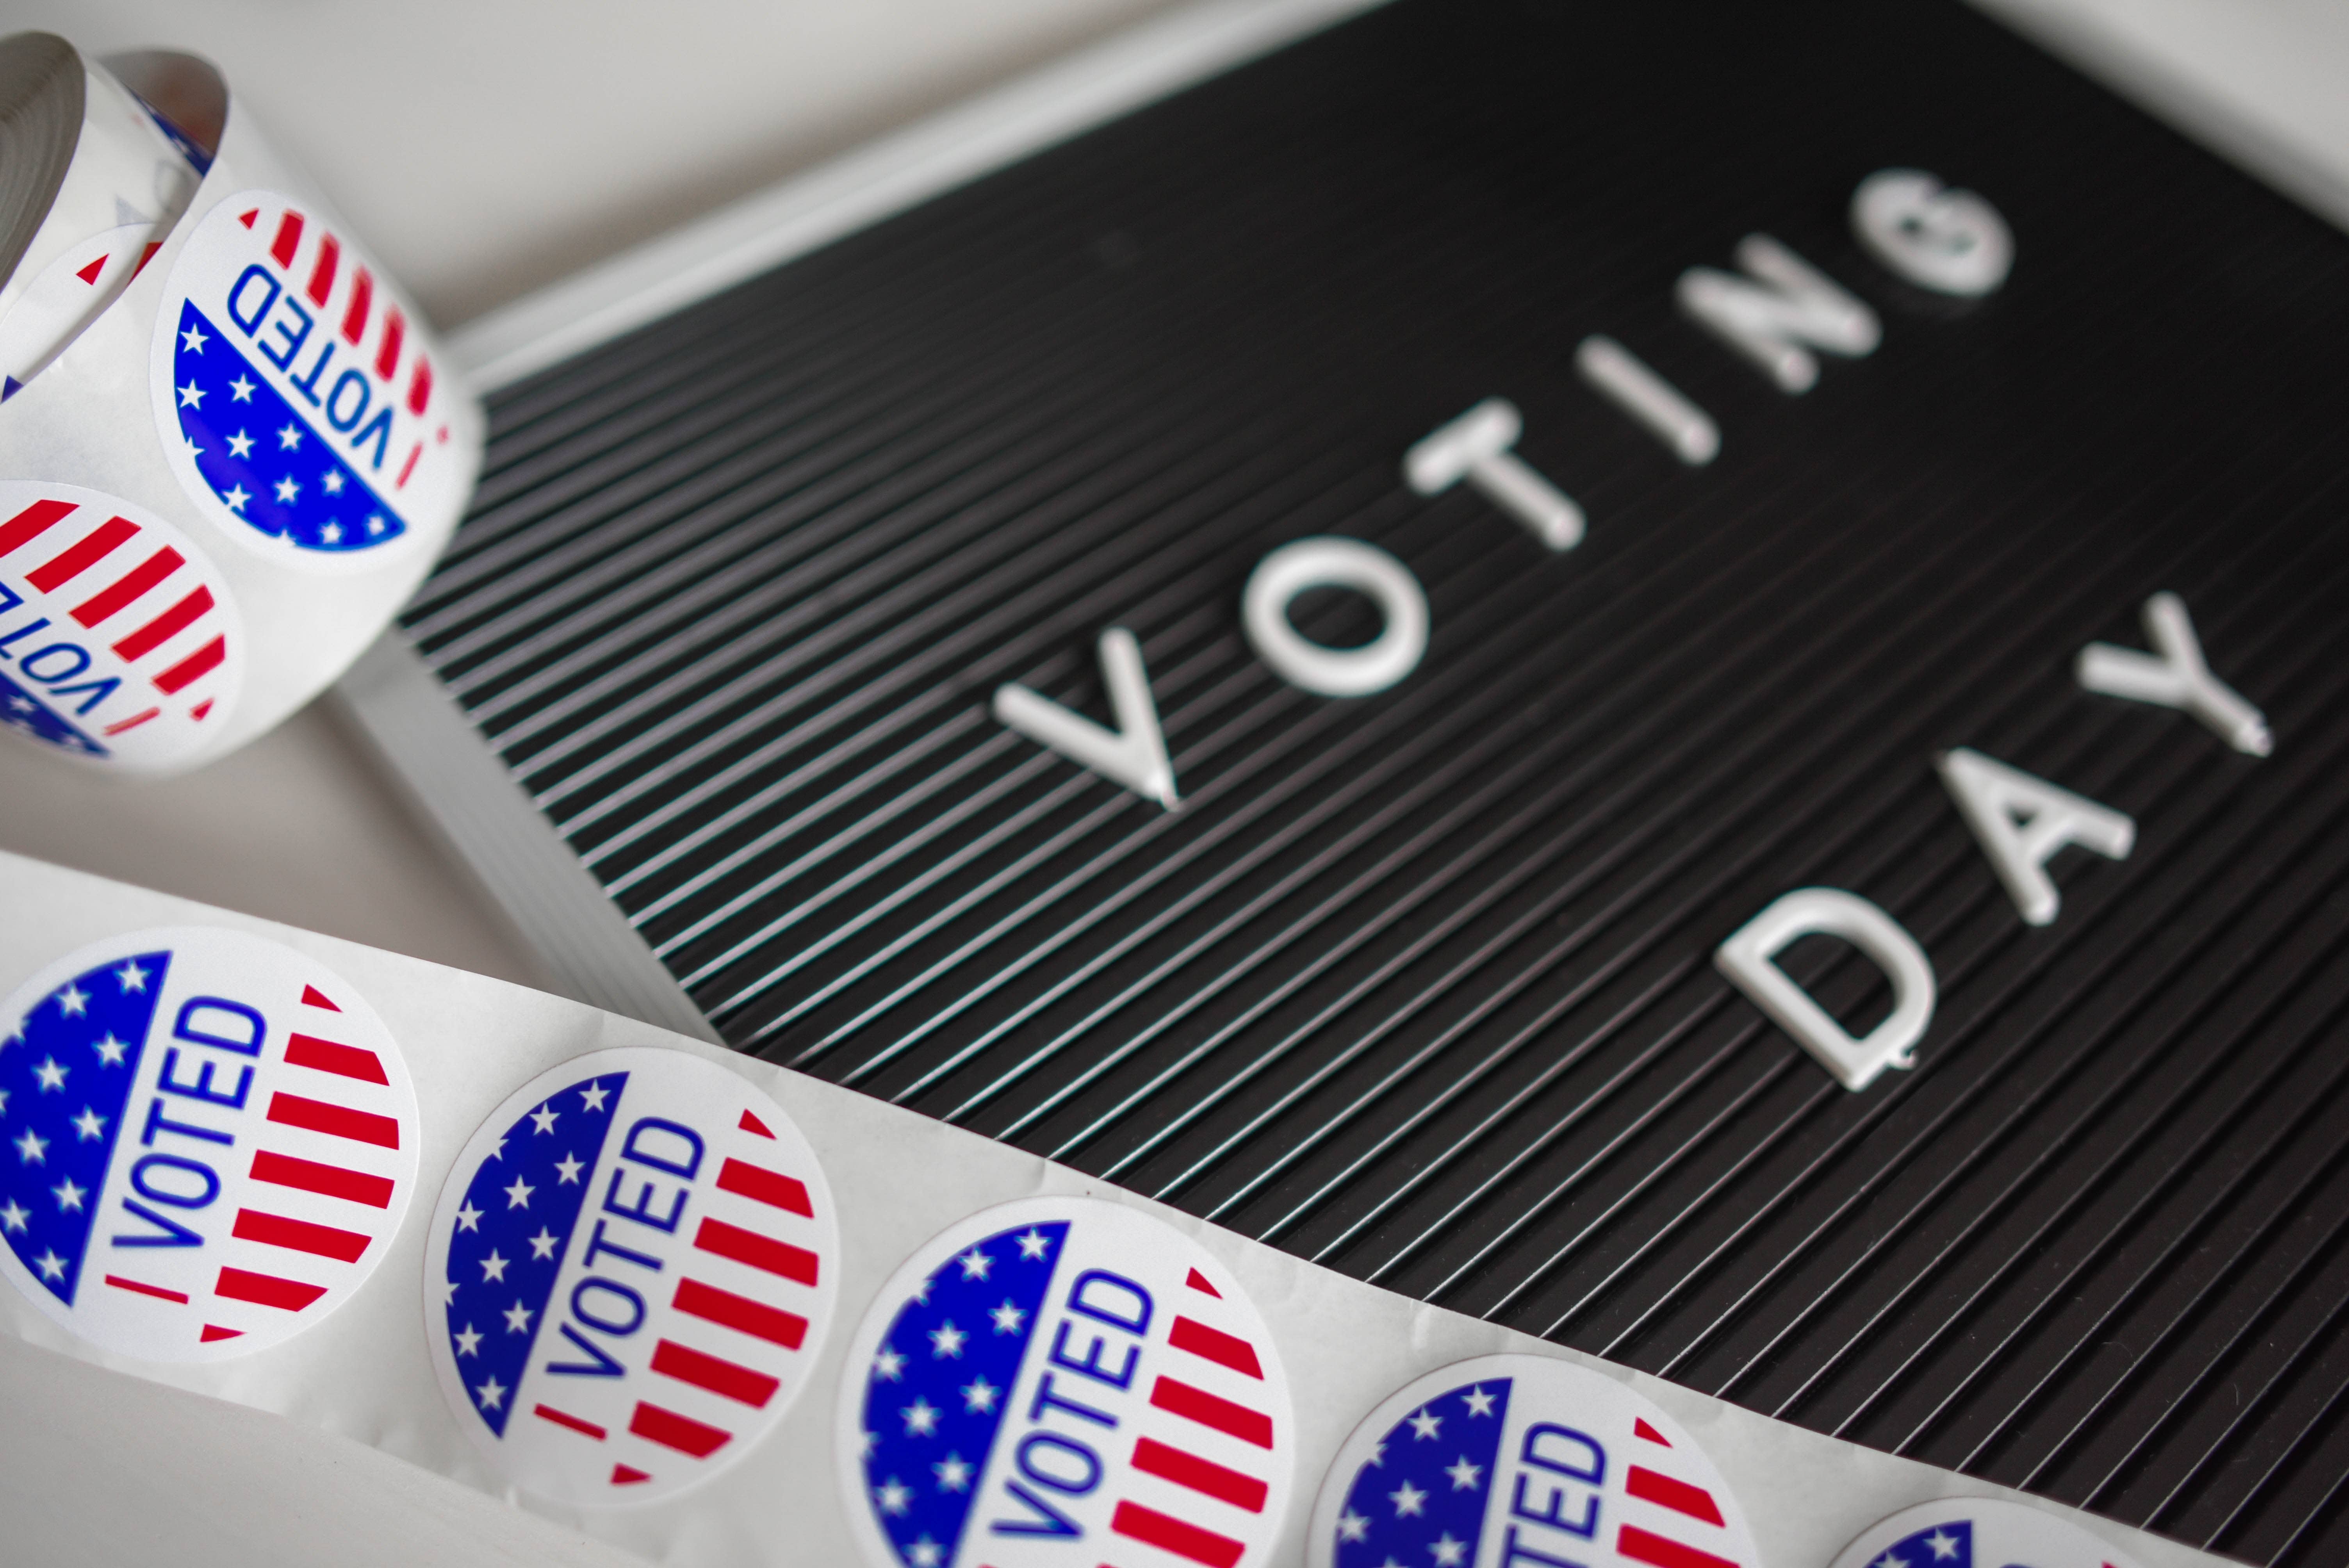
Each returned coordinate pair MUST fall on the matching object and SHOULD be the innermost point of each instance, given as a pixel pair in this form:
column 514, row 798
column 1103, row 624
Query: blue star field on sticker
column 519, row 1210
column 64, row 1076
column 268, row 463
column 936, row 1387
column 1420, row 1501
column 1950, row 1545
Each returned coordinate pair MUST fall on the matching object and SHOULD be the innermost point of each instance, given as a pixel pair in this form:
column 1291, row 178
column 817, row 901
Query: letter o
column 1324, row 562
column 178, row 1200
column 53, row 676
column 618, row 1330
column 1952, row 241
column 352, row 379
column 1055, row 1475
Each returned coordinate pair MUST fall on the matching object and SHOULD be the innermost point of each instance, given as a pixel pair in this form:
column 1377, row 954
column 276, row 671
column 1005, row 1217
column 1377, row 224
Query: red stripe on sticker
column 395, row 328
column 167, row 626
column 1640, row 1428
column 289, row 239
column 1664, row 1552
column 419, row 386
column 129, row 586
column 760, row 1251
column 326, row 1180
column 740, row 1313
column 763, row 1185
column 355, row 314
column 671, row 1430
column 1167, row 1462
column 195, row 667
column 157, row 1291
column 326, row 1057
column 88, row 274
column 313, row 997
column 723, row 1377
column 333, row 1121
column 1178, row 1398
column 133, row 722
column 214, row 1331
column 564, row 1419
column 322, row 277
column 1178, row 1536
column 1667, row 1492
column 31, row 523
column 299, row 1235
column 1213, row 1344
column 95, row 545
column 266, row 1290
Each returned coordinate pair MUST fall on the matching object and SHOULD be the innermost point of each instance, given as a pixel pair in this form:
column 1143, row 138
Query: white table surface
column 488, row 147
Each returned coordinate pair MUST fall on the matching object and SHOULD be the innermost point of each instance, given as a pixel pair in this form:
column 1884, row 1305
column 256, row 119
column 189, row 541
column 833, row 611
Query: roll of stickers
column 93, row 185
column 217, row 486
column 712, row 1313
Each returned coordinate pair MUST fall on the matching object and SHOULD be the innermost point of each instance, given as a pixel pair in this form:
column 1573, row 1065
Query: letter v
column 1134, row 754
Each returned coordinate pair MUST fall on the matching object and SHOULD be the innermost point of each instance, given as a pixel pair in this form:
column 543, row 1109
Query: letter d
column 1749, row 960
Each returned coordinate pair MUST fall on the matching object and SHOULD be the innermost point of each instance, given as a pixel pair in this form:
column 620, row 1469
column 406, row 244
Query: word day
column 1779, row 312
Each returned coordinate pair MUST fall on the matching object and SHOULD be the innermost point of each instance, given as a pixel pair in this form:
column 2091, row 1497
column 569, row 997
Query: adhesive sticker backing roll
column 259, row 397
column 123, row 185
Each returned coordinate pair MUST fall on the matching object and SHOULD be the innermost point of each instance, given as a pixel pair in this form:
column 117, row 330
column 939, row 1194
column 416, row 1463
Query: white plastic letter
column 1134, row 754
column 1330, row 562
column 1749, row 959
column 2021, row 821
column 1952, row 241
column 1626, row 381
column 2175, row 675
column 1476, row 447
column 1769, row 321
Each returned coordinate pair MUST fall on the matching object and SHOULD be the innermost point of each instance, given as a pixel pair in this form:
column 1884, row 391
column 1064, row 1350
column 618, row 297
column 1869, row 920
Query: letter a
column 2175, row 675
column 1749, row 960
column 2021, row 821
column 1134, row 754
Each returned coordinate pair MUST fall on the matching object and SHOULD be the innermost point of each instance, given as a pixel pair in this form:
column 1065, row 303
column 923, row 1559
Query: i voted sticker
column 119, row 641
column 1063, row 1382
column 629, row 1275
column 295, row 399
column 1524, row 1461
column 207, row 1141
column 1977, row 1532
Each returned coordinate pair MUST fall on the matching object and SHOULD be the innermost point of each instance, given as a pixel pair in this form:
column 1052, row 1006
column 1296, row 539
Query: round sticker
column 629, row 1275
column 1065, row 1382
column 207, row 1140
column 294, row 395
column 119, row 641
column 1977, row 1533
column 1524, row 1459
